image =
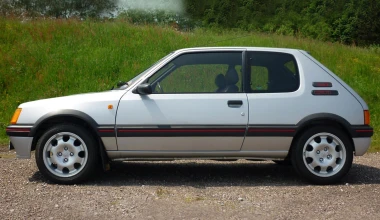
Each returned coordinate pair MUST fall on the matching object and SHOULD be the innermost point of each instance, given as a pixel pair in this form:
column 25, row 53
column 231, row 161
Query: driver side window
column 200, row 73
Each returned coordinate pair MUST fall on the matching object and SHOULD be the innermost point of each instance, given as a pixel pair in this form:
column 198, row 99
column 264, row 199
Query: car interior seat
column 220, row 82
column 232, row 77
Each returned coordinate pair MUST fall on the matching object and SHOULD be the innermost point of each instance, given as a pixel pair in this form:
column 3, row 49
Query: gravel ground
column 189, row 190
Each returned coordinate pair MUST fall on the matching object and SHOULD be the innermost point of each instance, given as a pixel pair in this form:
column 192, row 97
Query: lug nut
column 325, row 148
column 321, row 159
column 71, row 154
column 329, row 156
column 60, row 154
column 66, row 148
column 65, row 160
column 318, row 152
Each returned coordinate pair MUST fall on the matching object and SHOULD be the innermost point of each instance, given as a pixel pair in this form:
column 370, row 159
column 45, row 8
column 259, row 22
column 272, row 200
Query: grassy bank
column 40, row 59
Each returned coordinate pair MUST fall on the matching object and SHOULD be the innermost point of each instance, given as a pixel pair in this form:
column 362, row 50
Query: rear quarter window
column 272, row 72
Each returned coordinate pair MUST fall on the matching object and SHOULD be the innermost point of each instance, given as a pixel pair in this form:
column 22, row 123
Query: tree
column 369, row 23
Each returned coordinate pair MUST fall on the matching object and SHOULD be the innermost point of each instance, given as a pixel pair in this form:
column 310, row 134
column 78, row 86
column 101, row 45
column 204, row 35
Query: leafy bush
column 354, row 22
column 286, row 29
column 158, row 17
column 58, row 8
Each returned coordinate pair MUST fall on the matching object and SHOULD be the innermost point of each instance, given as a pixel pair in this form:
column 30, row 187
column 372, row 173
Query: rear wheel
column 66, row 154
column 322, row 155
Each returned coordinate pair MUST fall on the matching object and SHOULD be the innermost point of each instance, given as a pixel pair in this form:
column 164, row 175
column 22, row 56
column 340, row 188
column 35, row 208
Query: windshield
column 130, row 82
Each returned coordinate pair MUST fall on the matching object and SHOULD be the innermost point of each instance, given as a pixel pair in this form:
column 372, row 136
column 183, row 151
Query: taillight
column 366, row 117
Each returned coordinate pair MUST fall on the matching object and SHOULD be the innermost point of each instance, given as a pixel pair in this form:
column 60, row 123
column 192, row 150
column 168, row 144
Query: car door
column 275, row 102
column 197, row 104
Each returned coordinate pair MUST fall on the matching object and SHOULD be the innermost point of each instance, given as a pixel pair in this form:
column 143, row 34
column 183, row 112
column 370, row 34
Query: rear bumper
column 361, row 131
column 20, row 140
column 361, row 145
column 361, row 136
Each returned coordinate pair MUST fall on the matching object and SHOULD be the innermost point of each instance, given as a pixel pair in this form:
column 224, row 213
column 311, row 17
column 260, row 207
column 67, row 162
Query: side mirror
column 144, row 89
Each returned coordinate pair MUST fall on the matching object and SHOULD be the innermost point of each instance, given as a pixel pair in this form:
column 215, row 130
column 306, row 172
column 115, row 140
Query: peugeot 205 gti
column 203, row 103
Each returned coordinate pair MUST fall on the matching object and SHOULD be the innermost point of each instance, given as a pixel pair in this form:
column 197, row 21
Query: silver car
column 203, row 103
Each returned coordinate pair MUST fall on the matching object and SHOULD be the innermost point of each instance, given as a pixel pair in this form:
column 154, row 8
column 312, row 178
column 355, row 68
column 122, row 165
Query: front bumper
column 22, row 146
column 20, row 140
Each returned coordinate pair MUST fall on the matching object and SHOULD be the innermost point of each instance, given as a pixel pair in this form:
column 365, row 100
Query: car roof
column 269, row 49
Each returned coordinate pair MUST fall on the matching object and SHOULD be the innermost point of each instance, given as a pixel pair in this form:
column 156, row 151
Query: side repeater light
column 15, row 116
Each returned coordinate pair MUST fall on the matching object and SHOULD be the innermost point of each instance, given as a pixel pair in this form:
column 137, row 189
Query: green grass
column 49, row 58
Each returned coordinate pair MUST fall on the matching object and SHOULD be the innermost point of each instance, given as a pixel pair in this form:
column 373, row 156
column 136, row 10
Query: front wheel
column 322, row 155
column 66, row 154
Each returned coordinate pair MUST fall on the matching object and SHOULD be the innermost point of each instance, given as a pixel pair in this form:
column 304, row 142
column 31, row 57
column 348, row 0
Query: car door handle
column 235, row 103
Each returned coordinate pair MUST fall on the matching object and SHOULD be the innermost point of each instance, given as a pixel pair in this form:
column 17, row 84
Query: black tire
column 70, row 145
column 285, row 162
column 311, row 160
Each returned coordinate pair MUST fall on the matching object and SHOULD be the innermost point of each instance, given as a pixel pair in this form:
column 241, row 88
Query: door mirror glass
column 144, row 89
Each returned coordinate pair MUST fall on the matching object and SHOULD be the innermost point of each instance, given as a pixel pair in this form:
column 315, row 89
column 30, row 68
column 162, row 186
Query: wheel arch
column 322, row 119
column 72, row 117
column 62, row 116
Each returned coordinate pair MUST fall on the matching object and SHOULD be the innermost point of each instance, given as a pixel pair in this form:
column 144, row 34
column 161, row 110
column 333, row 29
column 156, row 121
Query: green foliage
column 369, row 22
column 347, row 21
column 158, row 17
column 59, row 8
column 346, row 26
column 355, row 22
column 50, row 58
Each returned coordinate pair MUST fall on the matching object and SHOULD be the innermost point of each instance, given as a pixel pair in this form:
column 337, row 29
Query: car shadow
column 201, row 175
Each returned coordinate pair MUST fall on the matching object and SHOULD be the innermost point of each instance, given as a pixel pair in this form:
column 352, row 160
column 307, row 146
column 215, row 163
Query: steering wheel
column 160, row 88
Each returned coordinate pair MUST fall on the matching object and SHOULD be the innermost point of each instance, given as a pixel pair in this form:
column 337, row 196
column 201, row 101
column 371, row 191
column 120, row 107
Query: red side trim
column 271, row 130
column 364, row 130
column 17, row 129
column 181, row 130
column 106, row 130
